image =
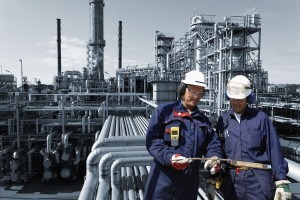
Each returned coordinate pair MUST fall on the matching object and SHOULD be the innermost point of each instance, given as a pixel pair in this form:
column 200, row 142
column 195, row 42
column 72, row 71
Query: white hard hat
column 238, row 87
column 194, row 78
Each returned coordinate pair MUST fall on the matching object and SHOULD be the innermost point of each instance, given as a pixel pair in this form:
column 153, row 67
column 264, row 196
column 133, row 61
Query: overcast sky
column 28, row 30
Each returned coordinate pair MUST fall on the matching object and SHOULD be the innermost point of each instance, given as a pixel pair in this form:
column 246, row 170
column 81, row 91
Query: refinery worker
column 250, row 136
column 178, row 131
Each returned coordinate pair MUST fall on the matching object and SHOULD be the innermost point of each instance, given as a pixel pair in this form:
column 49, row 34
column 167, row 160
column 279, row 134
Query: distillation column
column 96, row 43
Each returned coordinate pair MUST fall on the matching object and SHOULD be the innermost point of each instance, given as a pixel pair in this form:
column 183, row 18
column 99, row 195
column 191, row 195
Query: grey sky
column 28, row 31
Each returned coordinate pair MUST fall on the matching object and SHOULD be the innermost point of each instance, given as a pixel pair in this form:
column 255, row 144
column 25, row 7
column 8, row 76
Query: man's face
column 192, row 96
column 238, row 105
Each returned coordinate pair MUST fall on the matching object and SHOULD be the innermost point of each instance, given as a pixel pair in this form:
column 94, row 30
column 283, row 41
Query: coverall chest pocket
column 173, row 132
column 254, row 138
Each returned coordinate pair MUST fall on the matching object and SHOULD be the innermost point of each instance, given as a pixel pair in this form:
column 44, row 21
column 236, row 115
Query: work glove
column 282, row 190
column 213, row 165
column 210, row 189
column 179, row 162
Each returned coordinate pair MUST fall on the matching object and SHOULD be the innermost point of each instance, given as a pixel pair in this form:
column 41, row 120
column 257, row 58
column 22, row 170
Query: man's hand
column 210, row 189
column 282, row 190
column 179, row 162
column 213, row 165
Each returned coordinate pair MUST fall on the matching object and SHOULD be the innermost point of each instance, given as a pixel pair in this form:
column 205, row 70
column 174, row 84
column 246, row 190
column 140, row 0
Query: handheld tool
column 237, row 163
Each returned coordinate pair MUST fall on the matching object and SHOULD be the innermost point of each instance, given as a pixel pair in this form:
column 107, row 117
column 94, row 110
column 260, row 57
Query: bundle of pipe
column 122, row 141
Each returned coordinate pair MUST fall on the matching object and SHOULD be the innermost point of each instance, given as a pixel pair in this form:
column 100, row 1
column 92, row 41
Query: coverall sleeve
column 214, row 147
column 273, row 148
column 155, row 145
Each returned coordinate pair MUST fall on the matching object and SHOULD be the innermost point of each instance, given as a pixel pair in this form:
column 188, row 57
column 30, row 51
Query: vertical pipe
column 89, row 121
column 120, row 44
column 258, row 70
column 17, row 119
column 22, row 89
column 29, row 153
column 63, row 113
column 58, row 48
column 198, row 54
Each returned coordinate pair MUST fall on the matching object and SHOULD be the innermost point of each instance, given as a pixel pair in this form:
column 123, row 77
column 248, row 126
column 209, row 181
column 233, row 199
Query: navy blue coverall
column 254, row 139
column 197, row 138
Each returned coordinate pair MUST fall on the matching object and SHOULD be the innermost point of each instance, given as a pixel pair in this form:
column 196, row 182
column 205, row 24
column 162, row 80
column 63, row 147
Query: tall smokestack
column 96, row 43
column 120, row 44
column 58, row 48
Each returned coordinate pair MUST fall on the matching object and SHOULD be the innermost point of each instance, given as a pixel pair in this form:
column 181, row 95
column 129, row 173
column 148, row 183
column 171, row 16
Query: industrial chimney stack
column 58, row 48
column 96, row 43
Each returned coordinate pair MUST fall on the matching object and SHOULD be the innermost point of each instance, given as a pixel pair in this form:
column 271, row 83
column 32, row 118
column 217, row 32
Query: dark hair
column 181, row 89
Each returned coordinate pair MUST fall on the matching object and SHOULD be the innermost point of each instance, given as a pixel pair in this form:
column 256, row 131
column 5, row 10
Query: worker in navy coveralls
column 173, row 175
column 250, row 136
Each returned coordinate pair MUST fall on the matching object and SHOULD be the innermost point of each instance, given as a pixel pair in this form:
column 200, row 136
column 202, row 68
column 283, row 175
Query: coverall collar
column 248, row 111
column 179, row 108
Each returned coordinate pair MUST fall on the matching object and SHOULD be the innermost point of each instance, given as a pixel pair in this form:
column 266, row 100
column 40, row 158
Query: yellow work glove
column 282, row 190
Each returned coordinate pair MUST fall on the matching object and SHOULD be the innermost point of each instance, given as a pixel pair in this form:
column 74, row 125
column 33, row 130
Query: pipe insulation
column 104, row 170
column 120, row 141
column 115, row 172
column 92, row 171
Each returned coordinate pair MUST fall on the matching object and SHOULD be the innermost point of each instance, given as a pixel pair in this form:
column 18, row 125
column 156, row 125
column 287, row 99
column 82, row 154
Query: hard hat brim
column 238, row 96
column 194, row 83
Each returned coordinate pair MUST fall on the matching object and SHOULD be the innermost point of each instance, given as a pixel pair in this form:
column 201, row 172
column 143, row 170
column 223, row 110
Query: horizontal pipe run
column 120, row 141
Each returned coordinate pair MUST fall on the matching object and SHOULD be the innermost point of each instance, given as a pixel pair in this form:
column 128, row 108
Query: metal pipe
column 130, row 127
column 117, row 130
column 58, row 48
column 100, row 110
column 83, row 122
column 120, row 45
column 56, row 155
column 89, row 121
column 17, row 119
column 122, row 126
column 130, row 183
column 92, row 172
column 138, row 182
column 292, row 146
column 29, row 153
column 120, row 141
column 112, row 127
column 124, row 162
column 8, row 149
column 294, row 169
column 123, row 182
column 66, row 139
column 105, row 128
column 97, row 135
column 148, row 102
column 134, row 127
column 49, row 141
column 84, row 154
column 22, row 88
column 42, row 152
column 63, row 114
column 104, row 166
column 78, row 150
